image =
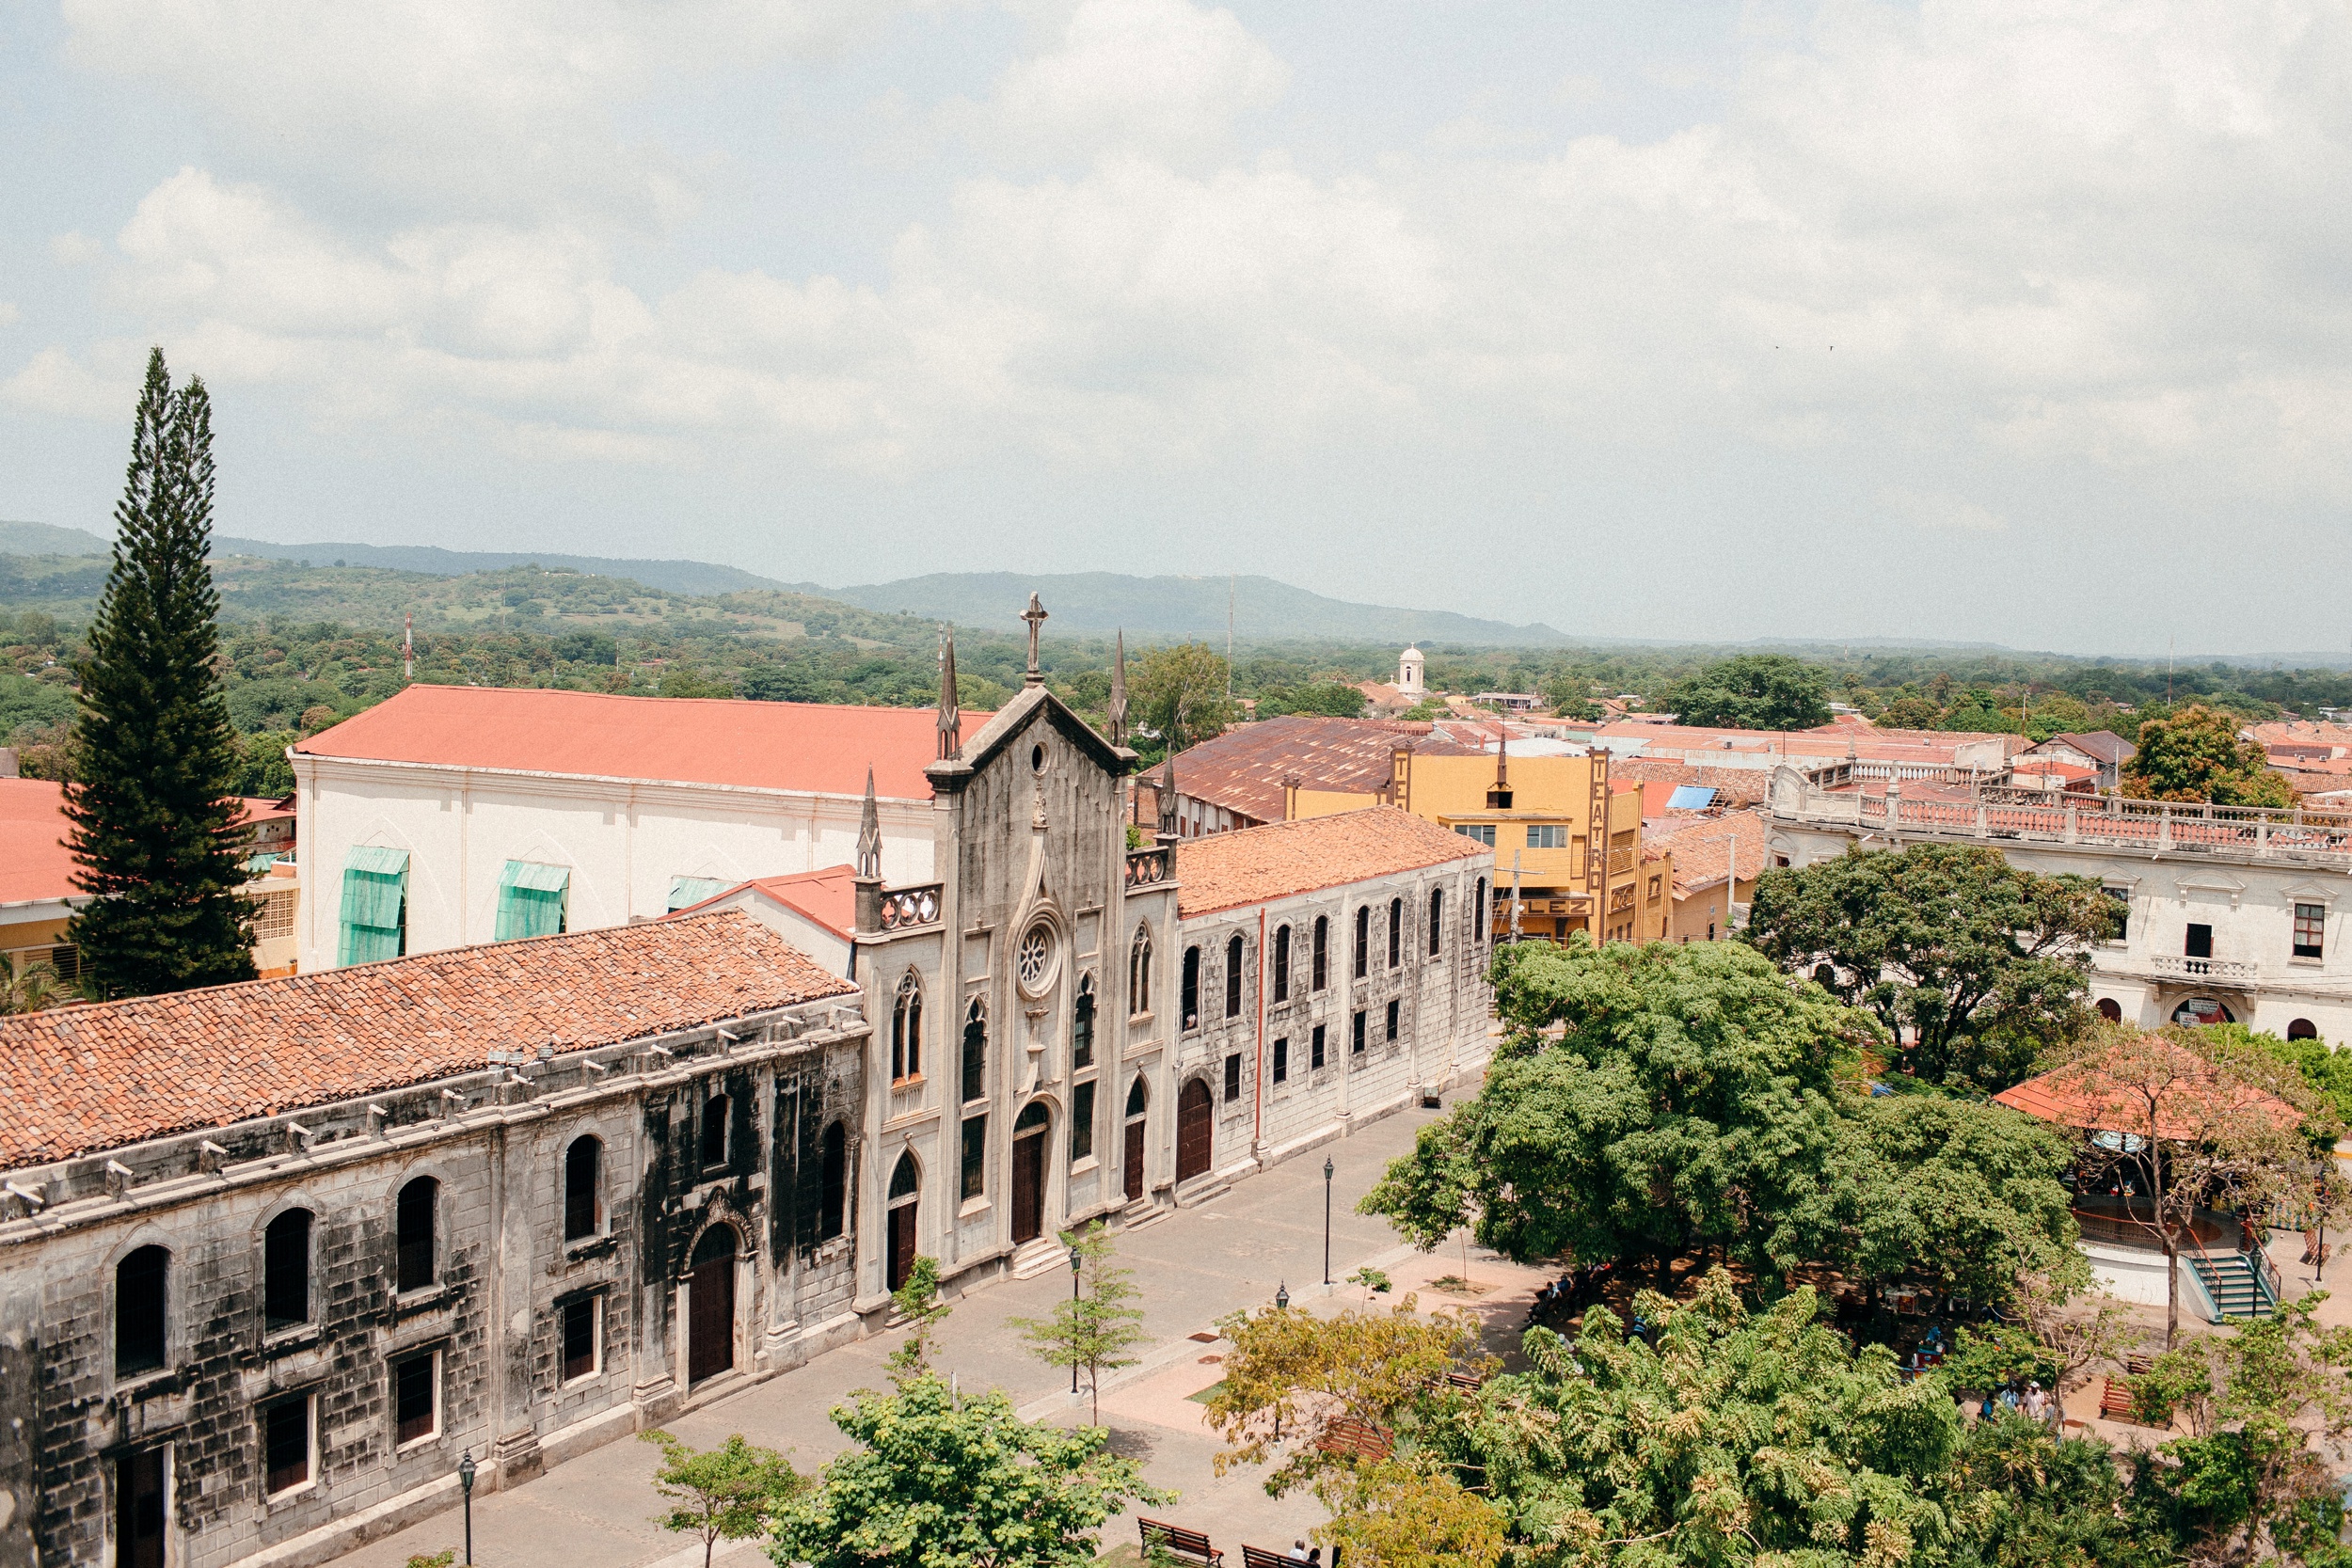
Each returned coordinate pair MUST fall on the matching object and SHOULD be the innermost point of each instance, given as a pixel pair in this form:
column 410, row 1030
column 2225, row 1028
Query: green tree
column 1095, row 1329
column 917, row 1300
column 2195, row 756
column 1910, row 711
column 942, row 1481
column 1178, row 692
column 1752, row 692
column 722, row 1493
column 1985, row 962
column 152, row 806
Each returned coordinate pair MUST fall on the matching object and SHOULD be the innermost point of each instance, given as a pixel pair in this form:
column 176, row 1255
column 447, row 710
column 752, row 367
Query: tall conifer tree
column 155, row 817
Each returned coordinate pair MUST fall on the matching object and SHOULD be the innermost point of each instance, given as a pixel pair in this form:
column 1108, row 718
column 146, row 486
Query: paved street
column 1196, row 1266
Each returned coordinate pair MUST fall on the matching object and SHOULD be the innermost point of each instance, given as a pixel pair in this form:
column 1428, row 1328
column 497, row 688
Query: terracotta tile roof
column 2082, row 1097
column 819, row 746
column 1242, row 769
column 1224, row 871
column 827, row 896
column 2108, row 745
column 1736, row 786
column 35, row 863
column 1701, row 845
column 77, row 1080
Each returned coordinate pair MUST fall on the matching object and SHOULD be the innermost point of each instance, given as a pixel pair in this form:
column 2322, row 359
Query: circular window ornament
column 1036, row 759
column 1032, row 960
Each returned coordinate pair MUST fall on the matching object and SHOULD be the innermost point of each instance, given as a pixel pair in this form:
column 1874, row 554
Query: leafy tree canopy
column 2196, row 754
column 1178, row 692
column 722, row 1493
column 941, row 1481
column 1984, row 961
column 1752, row 692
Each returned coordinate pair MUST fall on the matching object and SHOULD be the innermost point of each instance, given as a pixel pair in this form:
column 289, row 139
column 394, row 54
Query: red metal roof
column 827, row 896
column 35, row 863
column 819, row 746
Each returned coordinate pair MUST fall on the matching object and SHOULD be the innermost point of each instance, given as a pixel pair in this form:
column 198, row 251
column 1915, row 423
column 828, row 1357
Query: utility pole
column 1514, row 897
column 1233, row 583
column 408, row 649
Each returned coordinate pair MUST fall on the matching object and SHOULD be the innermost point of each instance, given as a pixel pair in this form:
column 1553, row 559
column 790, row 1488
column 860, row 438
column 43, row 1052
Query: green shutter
column 686, row 892
column 375, row 905
column 531, row 900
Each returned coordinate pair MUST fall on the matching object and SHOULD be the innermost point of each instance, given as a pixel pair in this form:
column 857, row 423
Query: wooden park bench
column 1188, row 1543
column 1258, row 1557
column 1356, row 1439
column 1470, row 1382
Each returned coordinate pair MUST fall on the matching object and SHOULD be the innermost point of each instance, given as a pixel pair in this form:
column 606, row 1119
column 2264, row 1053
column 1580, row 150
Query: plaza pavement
column 1194, row 1267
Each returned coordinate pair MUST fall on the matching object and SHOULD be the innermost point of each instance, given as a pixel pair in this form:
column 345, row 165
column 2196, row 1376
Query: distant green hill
column 43, row 539
column 1163, row 607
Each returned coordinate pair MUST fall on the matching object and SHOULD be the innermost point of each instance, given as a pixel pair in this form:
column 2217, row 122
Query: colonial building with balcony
column 2231, row 912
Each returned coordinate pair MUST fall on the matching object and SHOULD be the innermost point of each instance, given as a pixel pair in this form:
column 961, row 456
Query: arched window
column 976, row 1051
column 1033, row 1118
column 2302, row 1029
column 904, row 1179
column 140, row 1280
column 1282, row 964
column 1364, row 941
column 1188, row 1000
column 1396, row 932
column 906, row 1030
column 419, row 1259
column 714, row 1136
column 1321, row 965
column 1232, row 976
column 1139, row 973
column 584, row 1210
column 2109, row 1008
column 833, row 1206
column 1436, row 919
column 1137, row 1098
column 286, row 1270
column 1082, row 1025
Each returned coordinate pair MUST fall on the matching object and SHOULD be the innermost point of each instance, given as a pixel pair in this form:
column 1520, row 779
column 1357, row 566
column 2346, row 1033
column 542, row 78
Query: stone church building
column 275, row 1258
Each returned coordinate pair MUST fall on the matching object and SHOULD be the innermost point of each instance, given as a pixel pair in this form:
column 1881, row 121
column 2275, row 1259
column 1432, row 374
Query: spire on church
column 1498, row 798
column 951, row 716
column 869, row 835
column 1035, row 615
column 1116, row 715
column 1167, row 798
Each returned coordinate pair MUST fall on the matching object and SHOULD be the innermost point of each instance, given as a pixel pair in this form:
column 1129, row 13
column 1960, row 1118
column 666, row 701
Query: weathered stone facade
column 493, row 1317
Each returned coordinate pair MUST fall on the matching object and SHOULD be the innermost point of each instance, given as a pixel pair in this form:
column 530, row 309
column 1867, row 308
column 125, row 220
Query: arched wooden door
column 710, row 1305
column 1194, row 1129
column 1028, row 1175
column 905, row 1183
column 1137, row 1102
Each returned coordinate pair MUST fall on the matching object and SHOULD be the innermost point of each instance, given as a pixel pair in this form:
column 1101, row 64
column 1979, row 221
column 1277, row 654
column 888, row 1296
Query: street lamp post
column 1281, row 1304
column 1077, row 1260
column 465, row 1482
column 1327, row 1225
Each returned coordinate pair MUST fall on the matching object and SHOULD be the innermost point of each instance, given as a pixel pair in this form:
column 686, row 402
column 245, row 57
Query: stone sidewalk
column 1194, row 1267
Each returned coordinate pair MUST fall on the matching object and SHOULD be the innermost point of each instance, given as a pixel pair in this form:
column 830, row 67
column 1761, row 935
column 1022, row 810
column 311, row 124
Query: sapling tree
column 1095, row 1329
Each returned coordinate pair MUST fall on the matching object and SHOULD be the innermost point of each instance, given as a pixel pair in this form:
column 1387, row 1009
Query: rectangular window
column 1317, row 1044
column 1546, row 835
column 1356, row 1033
column 686, row 891
column 1483, row 832
column 1393, row 1008
column 275, row 917
column 2311, row 930
column 531, row 900
column 1282, row 964
column 2122, row 896
column 1232, row 1077
column 1282, row 1060
column 286, row 1443
column 975, row 1157
column 417, row 1398
column 2199, row 943
column 375, row 905
column 139, row 1509
column 1082, row 1121
column 579, row 1337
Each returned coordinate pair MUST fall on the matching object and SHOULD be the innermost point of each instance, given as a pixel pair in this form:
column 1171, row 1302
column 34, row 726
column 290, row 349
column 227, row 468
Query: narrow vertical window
column 286, row 1270
column 1232, row 1077
column 1082, row 1121
column 1082, row 1025
column 905, row 1029
column 1233, row 951
column 140, row 1280
column 1281, row 1060
column 1139, row 975
column 415, row 1398
column 1282, row 964
column 1321, row 976
column 1364, row 941
column 975, row 1156
column 714, row 1133
column 417, row 1262
column 286, row 1443
column 1478, row 913
column 833, row 1203
column 1396, row 932
column 1188, row 999
column 1356, row 1033
column 1315, row 1051
column 1436, row 919
column 2311, row 930
column 582, row 1172
column 1395, row 1008
column 579, row 1337
column 975, row 1052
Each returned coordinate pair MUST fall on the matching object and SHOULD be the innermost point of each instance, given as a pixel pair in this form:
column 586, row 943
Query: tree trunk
column 2171, row 1289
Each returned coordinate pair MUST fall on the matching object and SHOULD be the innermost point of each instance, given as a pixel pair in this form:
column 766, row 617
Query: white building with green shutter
column 451, row 816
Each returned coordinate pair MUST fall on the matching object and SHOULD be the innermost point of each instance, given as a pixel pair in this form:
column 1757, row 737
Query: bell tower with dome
column 1408, row 673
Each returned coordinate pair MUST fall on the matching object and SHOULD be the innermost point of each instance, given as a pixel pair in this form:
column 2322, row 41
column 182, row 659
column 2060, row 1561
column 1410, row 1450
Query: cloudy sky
column 2019, row 319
